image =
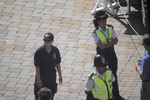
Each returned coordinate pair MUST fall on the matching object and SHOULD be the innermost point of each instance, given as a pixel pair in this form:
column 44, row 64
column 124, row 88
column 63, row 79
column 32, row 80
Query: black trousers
column 90, row 97
column 145, row 90
column 49, row 82
column 110, row 56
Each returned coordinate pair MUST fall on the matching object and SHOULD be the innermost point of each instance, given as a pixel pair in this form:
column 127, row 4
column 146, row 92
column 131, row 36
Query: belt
column 106, row 49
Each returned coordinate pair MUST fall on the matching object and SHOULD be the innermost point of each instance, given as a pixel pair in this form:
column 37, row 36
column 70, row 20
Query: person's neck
column 103, row 28
column 100, row 73
column 48, row 48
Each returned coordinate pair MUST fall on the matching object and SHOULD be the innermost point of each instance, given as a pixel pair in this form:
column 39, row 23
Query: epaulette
column 90, row 77
column 108, row 69
column 110, row 25
column 94, row 31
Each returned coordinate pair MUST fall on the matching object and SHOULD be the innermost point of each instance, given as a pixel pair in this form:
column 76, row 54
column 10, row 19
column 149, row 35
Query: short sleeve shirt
column 89, row 84
column 145, row 65
column 96, row 38
column 47, row 62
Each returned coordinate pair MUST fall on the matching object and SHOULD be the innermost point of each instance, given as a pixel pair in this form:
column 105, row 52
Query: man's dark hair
column 146, row 39
column 44, row 94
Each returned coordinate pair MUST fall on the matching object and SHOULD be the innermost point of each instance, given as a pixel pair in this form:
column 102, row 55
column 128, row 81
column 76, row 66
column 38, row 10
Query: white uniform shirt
column 89, row 84
column 96, row 38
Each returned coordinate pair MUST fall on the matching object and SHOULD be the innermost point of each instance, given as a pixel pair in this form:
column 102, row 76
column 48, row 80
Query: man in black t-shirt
column 47, row 60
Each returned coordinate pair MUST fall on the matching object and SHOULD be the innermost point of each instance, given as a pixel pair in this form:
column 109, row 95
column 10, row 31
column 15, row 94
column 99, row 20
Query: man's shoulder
column 40, row 48
column 146, row 58
column 54, row 48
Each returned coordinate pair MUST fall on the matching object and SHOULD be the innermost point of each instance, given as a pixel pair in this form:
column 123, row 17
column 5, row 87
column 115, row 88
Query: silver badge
column 54, row 55
column 103, row 60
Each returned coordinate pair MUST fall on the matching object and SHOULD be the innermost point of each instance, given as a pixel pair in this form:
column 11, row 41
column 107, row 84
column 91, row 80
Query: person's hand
column 137, row 67
column 60, row 80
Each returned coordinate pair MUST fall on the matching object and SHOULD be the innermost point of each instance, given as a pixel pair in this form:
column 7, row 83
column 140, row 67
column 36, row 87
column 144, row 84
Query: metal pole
column 128, row 6
column 148, row 15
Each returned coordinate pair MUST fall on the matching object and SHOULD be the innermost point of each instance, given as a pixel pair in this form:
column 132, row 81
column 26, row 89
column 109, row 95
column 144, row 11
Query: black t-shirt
column 47, row 62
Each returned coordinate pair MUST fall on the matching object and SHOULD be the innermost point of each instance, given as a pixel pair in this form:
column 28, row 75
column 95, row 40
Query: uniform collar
column 101, row 28
column 98, row 74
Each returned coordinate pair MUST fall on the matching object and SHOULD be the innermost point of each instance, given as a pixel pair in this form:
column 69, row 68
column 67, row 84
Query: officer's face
column 102, row 22
column 101, row 70
column 48, row 43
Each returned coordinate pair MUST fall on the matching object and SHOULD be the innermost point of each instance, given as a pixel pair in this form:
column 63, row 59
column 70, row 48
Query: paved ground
column 22, row 25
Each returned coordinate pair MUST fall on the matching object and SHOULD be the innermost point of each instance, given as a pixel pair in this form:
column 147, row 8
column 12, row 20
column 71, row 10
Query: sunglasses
column 47, row 40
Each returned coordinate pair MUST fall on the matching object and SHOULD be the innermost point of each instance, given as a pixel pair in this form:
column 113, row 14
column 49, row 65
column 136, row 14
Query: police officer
column 47, row 60
column 105, row 38
column 99, row 83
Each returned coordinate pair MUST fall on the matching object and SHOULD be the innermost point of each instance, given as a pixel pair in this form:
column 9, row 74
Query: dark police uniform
column 46, row 63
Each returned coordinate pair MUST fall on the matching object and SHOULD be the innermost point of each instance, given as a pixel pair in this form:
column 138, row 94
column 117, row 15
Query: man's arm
column 89, row 95
column 137, row 68
column 38, row 77
column 58, row 67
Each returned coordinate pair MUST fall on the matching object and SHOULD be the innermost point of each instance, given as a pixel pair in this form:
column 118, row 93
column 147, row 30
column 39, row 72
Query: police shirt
column 96, row 38
column 47, row 62
column 89, row 84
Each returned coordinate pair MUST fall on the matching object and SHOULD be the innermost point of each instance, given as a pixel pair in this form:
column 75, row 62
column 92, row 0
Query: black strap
column 106, row 86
